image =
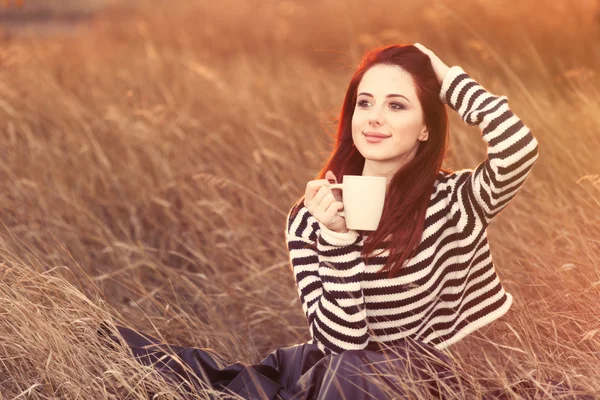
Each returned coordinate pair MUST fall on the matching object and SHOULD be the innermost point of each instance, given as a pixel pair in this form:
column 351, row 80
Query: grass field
column 149, row 158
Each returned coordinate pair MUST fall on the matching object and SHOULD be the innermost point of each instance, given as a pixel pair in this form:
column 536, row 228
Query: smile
column 374, row 139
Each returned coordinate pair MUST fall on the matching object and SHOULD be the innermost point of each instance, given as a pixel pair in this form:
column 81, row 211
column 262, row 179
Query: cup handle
column 341, row 187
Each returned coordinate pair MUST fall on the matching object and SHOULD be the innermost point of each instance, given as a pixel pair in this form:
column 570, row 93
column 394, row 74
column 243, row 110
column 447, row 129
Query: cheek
column 406, row 123
column 356, row 124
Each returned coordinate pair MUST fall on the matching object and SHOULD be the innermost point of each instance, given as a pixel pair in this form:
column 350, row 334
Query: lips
column 376, row 135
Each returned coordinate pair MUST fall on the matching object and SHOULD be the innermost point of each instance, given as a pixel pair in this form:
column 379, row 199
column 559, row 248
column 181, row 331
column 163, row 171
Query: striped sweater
column 450, row 287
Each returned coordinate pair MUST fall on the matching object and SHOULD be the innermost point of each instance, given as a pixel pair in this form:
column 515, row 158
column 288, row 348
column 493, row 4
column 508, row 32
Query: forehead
column 381, row 80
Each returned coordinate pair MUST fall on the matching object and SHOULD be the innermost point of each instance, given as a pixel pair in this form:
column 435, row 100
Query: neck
column 377, row 168
column 387, row 168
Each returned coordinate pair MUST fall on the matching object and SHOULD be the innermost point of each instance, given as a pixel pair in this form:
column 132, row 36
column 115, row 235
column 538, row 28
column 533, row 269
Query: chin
column 376, row 157
column 371, row 154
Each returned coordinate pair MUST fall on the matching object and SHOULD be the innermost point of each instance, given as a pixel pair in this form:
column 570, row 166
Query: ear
column 424, row 135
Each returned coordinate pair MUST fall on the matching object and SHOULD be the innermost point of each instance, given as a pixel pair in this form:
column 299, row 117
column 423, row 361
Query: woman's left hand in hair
column 439, row 67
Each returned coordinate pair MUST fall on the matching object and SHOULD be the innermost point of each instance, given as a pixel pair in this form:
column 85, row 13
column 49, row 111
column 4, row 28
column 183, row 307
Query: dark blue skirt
column 408, row 369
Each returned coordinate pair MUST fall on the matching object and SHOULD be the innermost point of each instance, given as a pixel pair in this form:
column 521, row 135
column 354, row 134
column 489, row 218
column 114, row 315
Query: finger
column 426, row 51
column 330, row 176
column 313, row 204
column 326, row 201
column 337, row 192
column 421, row 47
column 321, row 193
column 321, row 210
column 312, row 187
column 332, row 210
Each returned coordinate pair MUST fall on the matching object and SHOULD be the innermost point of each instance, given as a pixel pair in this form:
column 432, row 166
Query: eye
column 395, row 105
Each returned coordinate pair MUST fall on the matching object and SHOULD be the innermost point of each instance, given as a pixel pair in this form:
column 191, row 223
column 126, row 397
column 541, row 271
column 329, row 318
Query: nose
column 376, row 117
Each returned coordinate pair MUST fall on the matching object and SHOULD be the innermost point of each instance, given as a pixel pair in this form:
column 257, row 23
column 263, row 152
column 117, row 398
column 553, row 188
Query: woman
column 440, row 283
column 381, row 305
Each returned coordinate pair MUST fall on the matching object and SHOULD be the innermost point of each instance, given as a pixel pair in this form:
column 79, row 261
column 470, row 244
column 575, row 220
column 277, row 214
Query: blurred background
column 150, row 152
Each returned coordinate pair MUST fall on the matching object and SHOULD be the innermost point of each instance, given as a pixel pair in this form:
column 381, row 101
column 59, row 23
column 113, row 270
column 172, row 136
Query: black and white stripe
column 450, row 287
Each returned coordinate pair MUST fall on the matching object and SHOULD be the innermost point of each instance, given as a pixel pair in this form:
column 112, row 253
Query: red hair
column 410, row 188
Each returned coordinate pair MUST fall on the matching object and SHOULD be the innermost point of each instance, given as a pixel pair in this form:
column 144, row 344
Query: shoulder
column 301, row 223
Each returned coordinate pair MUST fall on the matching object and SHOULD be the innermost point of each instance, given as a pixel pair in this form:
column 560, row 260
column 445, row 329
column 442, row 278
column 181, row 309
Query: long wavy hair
column 410, row 188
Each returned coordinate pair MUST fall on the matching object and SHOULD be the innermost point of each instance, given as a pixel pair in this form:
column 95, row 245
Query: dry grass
column 148, row 161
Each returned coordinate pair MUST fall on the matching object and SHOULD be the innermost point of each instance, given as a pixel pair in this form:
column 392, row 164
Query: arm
column 512, row 149
column 329, row 272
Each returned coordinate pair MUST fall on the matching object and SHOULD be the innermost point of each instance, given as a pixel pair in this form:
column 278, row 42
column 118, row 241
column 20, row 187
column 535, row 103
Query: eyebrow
column 389, row 95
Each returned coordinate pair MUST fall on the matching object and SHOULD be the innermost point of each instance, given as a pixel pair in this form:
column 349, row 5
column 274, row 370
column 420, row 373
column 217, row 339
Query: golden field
column 149, row 157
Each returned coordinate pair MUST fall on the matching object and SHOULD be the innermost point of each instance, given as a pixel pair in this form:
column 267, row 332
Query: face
column 387, row 103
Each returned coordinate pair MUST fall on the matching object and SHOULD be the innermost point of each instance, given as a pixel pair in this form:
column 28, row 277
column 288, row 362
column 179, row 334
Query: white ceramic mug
column 363, row 198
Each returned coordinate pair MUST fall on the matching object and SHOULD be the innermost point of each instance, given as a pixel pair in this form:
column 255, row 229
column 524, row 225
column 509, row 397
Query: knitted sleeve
column 512, row 149
column 329, row 271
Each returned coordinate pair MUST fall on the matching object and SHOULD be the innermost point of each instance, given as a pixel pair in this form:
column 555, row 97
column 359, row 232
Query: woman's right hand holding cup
column 324, row 204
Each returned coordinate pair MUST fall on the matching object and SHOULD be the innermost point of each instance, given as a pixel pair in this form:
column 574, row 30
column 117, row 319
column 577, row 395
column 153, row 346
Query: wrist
column 334, row 238
column 443, row 74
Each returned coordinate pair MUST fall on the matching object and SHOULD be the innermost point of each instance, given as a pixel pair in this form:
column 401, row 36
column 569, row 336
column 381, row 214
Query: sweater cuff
column 332, row 238
column 451, row 74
